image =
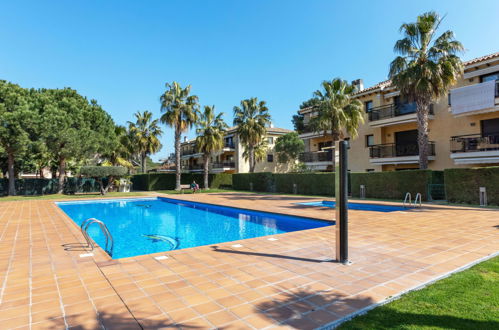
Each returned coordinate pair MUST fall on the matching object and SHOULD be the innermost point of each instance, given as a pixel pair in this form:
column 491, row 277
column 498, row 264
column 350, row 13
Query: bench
column 184, row 187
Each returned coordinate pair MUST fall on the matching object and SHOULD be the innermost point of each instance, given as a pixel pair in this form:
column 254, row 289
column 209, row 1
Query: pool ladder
column 90, row 243
column 408, row 200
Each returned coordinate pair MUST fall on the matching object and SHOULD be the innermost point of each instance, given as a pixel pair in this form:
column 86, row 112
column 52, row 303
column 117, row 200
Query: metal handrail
column 90, row 244
column 407, row 199
column 418, row 196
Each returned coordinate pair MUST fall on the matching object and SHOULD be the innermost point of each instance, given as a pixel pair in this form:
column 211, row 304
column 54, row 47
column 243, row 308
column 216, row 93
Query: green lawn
column 466, row 300
column 97, row 195
column 63, row 196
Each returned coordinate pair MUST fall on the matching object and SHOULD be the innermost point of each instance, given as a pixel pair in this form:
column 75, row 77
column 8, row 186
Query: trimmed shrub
column 263, row 181
column 28, row 187
column 306, row 183
column 100, row 172
column 393, row 184
column 140, row 182
column 166, row 181
column 462, row 185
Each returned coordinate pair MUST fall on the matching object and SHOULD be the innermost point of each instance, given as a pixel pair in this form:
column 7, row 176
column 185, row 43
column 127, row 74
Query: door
column 490, row 133
column 406, row 143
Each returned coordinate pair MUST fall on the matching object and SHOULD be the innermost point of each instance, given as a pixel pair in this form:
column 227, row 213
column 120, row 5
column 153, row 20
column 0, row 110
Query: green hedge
column 306, row 183
column 28, row 187
column 262, row 181
column 462, row 185
column 166, row 181
column 394, row 184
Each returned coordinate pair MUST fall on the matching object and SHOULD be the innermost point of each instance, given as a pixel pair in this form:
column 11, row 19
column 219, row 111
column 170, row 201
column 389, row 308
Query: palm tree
column 425, row 70
column 210, row 137
column 121, row 154
column 180, row 112
column 260, row 151
column 337, row 110
column 146, row 133
column 252, row 119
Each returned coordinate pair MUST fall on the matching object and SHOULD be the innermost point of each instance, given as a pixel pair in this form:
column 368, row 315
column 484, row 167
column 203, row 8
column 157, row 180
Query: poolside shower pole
column 341, row 195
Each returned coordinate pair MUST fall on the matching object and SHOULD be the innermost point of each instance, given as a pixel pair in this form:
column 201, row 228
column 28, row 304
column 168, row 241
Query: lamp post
column 341, row 194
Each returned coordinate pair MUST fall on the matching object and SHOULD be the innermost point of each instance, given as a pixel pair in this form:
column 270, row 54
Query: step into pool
column 149, row 225
column 359, row 206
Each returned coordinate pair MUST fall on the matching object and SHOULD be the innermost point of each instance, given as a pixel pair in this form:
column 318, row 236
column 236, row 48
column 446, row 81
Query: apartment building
column 463, row 126
column 230, row 159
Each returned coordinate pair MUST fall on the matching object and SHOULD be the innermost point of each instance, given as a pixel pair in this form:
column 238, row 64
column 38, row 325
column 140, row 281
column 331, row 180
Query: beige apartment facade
column 463, row 126
column 230, row 159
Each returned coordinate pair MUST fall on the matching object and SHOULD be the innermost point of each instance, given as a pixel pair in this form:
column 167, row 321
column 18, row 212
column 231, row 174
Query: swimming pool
column 150, row 225
column 359, row 206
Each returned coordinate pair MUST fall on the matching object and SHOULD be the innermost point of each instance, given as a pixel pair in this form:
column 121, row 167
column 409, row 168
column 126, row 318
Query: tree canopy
column 288, row 147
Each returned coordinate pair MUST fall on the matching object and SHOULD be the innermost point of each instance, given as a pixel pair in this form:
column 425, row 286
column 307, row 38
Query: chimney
column 271, row 125
column 358, row 84
column 185, row 138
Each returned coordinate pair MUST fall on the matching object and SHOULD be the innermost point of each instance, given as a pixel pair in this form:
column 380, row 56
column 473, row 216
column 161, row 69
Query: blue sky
column 121, row 53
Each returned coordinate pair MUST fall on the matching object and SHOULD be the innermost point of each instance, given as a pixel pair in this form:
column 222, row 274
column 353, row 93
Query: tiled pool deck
column 284, row 283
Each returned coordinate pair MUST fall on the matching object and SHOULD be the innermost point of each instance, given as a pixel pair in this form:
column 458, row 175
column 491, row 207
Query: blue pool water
column 149, row 225
column 359, row 206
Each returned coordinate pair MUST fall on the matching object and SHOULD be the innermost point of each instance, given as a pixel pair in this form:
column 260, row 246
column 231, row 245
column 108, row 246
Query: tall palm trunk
column 206, row 160
column 12, row 175
column 178, row 135
column 251, row 158
column 422, row 114
column 143, row 162
column 62, row 175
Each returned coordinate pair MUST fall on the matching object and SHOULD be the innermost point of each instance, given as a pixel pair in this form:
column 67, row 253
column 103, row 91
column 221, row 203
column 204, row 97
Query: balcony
column 394, row 154
column 224, row 166
column 189, row 152
column 193, row 168
column 475, row 149
column 229, row 146
column 316, row 156
column 394, row 114
column 318, row 160
column 475, row 99
column 309, row 132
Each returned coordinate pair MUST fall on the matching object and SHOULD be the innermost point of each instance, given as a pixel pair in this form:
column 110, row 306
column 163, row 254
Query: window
column 490, row 127
column 490, row 77
column 326, row 144
column 270, row 158
column 369, row 140
column 368, row 106
column 270, row 140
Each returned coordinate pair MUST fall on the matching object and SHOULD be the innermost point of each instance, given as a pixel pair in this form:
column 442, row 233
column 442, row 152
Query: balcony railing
column 390, row 150
column 474, row 143
column 224, row 165
column 394, row 110
column 229, row 145
column 316, row 156
column 188, row 151
column 193, row 167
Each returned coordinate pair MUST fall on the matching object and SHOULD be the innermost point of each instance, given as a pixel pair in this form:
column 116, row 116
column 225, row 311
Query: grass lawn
column 62, row 196
column 466, row 300
column 97, row 195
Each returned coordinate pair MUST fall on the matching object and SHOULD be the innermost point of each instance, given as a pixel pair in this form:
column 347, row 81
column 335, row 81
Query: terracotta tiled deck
column 287, row 283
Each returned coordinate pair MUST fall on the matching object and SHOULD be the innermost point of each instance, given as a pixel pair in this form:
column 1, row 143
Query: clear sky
column 121, row 53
